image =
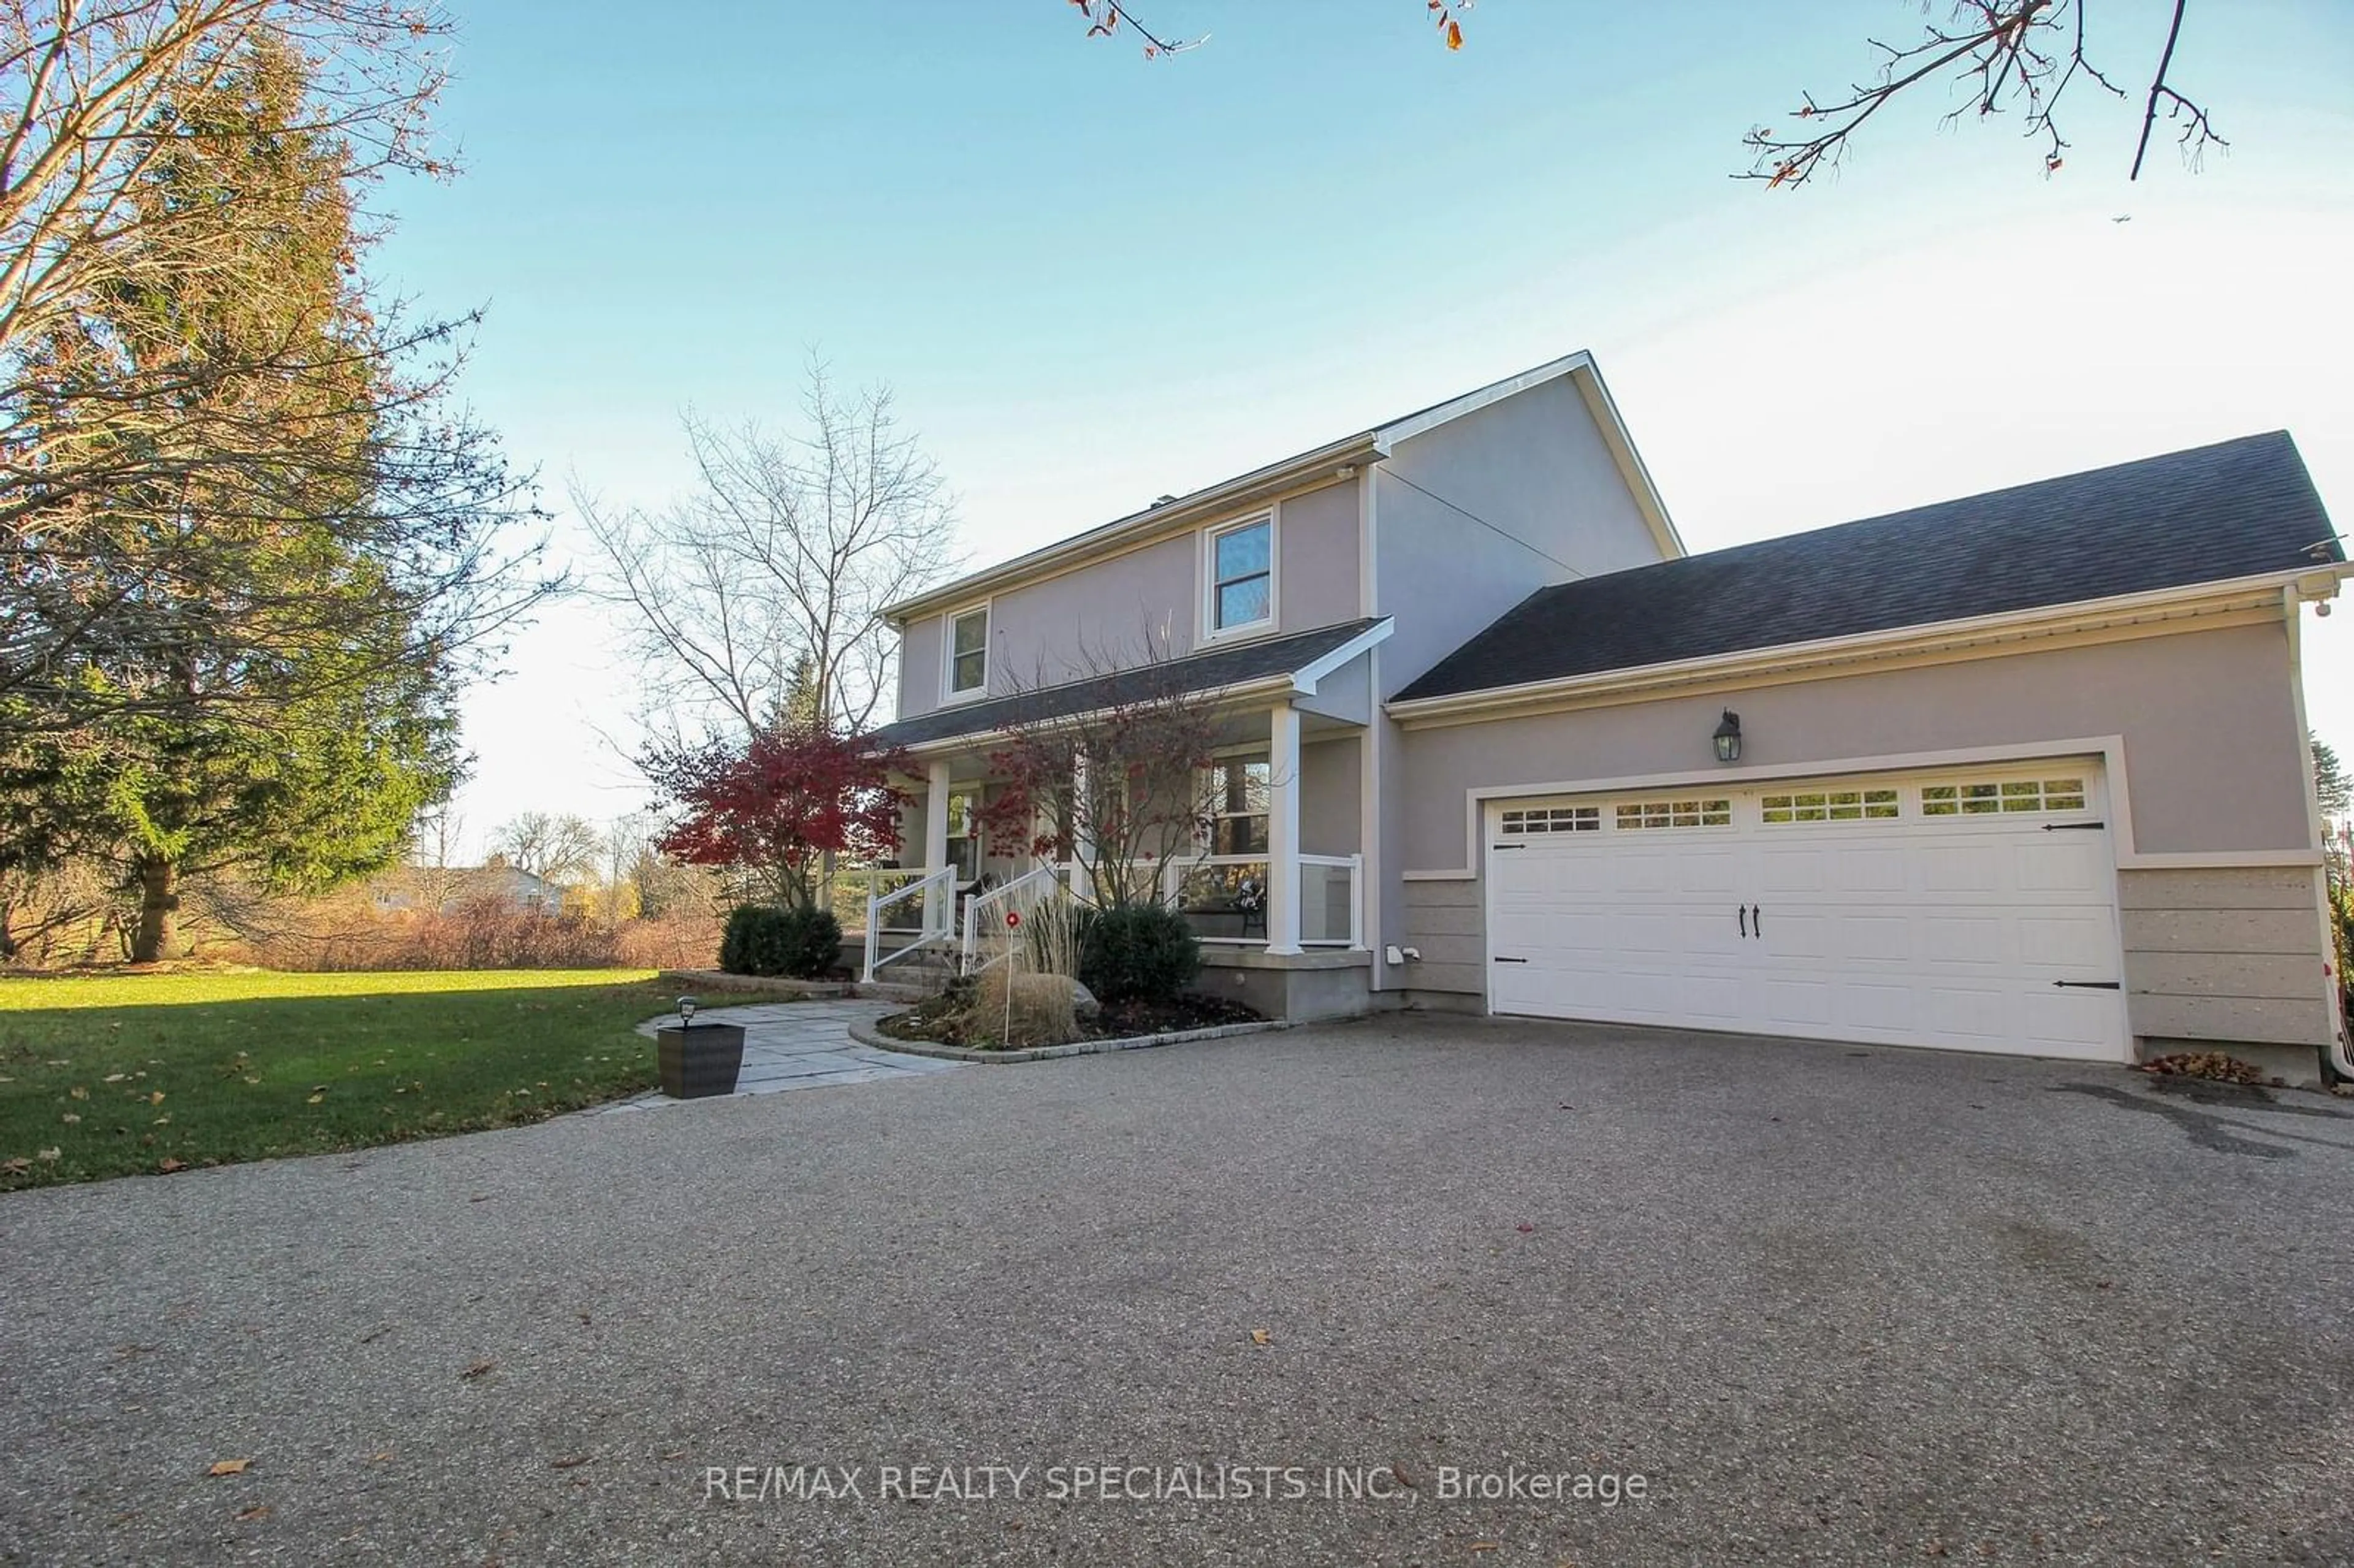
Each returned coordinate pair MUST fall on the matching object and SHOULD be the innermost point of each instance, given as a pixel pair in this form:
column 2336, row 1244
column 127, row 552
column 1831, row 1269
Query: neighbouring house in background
column 2023, row 772
column 445, row 888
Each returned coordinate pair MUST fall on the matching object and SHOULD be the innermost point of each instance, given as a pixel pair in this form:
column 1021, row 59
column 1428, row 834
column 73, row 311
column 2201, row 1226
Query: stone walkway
column 798, row 1045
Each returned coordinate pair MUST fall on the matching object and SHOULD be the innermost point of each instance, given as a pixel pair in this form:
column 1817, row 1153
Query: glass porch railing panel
column 853, row 886
column 1327, row 901
column 1224, row 898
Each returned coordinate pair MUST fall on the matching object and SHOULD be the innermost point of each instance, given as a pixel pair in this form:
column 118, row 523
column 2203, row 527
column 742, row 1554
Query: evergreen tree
column 297, row 757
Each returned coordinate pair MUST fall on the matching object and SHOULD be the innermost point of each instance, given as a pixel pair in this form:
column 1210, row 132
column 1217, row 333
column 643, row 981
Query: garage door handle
column 1757, row 922
column 2090, row 985
column 1505, row 960
column 1740, row 913
column 2072, row 827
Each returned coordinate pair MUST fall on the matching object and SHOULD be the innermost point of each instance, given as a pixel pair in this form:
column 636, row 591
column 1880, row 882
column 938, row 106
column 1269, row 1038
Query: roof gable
column 2237, row 509
column 1317, row 466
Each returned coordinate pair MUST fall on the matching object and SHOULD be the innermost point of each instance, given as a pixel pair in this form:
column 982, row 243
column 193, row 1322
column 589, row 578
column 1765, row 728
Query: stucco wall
column 1106, row 615
column 1330, row 796
column 1549, row 504
column 1317, row 535
column 2214, row 757
column 1110, row 614
column 920, row 667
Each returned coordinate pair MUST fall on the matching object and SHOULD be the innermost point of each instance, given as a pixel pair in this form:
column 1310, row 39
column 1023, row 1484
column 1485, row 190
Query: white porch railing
column 852, row 888
column 1332, row 900
column 933, row 895
column 987, row 940
column 1206, row 888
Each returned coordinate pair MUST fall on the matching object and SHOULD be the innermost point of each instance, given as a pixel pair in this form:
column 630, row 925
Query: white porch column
column 1283, row 830
column 937, row 903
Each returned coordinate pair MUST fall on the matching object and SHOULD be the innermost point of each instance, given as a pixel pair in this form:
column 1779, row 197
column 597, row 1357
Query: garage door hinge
column 2090, row 985
column 1505, row 960
column 2065, row 826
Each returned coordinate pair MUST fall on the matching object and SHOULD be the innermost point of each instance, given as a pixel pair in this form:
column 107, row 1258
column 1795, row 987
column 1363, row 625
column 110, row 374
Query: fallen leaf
column 1403, row 1479
column 16, row 1166
column 79, row 1092
column 1525, row 1228
column 69, row 1118
column 1486, row 1545
column 116, row 1077
column 48, row 1156
column 570, row 1462
column 259, row 1511
column 168, row 1165
column 380, row 1459
column 1261, row 1337
column 315, row 1099
column 154, row 1096
column 229, row 1466
column 480, row 1368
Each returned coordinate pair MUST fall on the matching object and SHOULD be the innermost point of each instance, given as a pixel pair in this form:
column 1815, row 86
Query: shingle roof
column 2237, row 509
column 1214, row 670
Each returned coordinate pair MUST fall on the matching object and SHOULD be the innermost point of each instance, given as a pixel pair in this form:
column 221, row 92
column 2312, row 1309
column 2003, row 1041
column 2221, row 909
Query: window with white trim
column 1554, row 819
column 1829, row 806
column 1242, row 574
column 1992, row 797
column 969, row 652
column 1633, row 814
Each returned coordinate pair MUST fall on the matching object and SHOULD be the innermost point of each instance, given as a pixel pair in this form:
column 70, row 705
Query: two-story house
column 2022, row 772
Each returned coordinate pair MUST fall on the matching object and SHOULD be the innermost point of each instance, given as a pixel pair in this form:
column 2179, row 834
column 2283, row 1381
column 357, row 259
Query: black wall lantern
column 1728, row 737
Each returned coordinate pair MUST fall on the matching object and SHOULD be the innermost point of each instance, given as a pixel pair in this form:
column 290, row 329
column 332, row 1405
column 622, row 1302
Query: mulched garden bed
column 943, row 1022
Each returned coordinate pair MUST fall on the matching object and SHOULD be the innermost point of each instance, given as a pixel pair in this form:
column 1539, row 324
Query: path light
column 1728, row 737
column 688, row 1004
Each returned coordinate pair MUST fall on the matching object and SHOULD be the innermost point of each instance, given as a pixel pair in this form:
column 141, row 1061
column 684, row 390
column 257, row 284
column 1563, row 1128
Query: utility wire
column 1504, row 533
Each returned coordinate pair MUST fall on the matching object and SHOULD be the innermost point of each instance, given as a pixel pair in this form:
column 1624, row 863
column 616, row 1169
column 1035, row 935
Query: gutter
column 2318, row 586
column 1300, row 683
column 1786, row 658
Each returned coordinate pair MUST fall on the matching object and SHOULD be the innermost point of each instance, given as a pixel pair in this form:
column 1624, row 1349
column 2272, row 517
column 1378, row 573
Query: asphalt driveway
column 1831, row 1305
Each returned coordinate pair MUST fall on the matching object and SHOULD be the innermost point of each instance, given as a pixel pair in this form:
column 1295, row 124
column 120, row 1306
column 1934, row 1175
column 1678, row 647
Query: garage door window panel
column 1991, row 798
column 1632, row 816
column 1829, row 806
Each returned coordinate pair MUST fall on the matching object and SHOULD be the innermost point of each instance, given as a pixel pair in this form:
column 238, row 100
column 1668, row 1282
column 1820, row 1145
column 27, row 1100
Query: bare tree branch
column 763, row 590
column 2006, row 54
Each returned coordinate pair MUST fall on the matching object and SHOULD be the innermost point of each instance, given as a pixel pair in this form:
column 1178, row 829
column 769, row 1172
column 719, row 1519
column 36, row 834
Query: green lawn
column 116, row 1074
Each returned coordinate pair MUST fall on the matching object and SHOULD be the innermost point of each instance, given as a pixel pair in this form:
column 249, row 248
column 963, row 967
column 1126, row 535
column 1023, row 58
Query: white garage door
column 1971, row 910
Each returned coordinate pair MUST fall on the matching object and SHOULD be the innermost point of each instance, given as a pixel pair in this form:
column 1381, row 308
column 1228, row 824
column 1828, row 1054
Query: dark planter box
column 699, row 1059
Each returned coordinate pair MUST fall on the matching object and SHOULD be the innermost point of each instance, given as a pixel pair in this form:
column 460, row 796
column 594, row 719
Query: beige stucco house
column 2024, row 772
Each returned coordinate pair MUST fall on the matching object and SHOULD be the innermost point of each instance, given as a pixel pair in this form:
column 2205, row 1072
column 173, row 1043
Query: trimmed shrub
column 761, row 939
column 1138, row 953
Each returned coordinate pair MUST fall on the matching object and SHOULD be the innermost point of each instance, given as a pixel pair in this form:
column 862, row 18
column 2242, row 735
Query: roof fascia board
column 1265, row 687
column 2253, row 593
column 1471, row 402
column 1304, row 679
column 1632, row 470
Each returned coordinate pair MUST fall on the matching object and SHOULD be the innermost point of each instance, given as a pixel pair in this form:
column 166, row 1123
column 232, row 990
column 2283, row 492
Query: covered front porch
column 1271, row 876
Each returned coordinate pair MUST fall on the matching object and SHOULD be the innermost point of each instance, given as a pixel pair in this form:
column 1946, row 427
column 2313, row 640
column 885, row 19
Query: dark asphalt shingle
column 2240, row 508
column 1210, row 672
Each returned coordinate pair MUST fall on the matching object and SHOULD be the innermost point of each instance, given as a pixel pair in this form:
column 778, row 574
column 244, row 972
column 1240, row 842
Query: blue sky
column 1093, row 278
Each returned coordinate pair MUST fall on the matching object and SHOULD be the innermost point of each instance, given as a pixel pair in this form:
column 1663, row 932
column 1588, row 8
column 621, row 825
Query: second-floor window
column 969, row 652
column 1242, row 576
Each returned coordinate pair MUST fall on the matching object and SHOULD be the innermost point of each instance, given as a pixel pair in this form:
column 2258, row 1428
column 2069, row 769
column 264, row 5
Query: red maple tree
column 776, row 806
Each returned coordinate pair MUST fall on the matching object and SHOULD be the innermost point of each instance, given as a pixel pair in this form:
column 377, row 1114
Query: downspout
column 2294, row 596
